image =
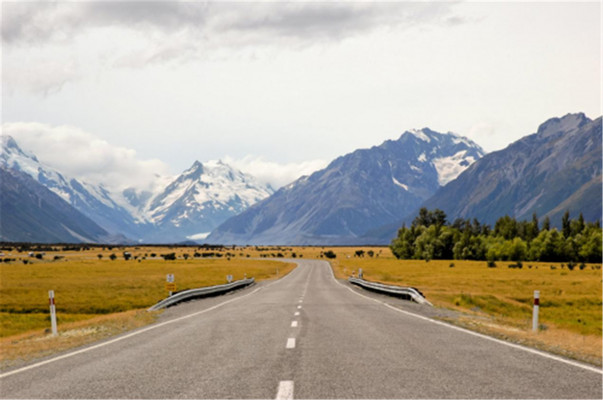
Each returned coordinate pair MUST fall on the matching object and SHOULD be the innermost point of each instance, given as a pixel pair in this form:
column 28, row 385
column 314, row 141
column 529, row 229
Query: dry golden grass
column 97, row 298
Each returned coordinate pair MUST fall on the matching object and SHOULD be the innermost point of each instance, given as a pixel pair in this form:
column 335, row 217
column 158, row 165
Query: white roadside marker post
column 170, row 285
column 53, row 313
column 535, row 312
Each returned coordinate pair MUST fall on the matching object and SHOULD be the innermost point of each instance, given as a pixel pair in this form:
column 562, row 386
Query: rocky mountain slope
column 557, row 168
column 29, row 212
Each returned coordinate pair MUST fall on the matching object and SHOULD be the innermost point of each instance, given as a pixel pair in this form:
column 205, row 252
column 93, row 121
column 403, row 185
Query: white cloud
column 49, row 44
column 273, row 173
column 84, row 156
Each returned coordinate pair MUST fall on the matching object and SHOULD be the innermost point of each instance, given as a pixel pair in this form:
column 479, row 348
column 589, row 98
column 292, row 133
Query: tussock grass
column 86, row 287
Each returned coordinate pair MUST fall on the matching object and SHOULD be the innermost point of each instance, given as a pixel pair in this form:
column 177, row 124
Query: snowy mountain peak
column 447, row 154
column 421, row 134
column 11, row 151
column 203, row 196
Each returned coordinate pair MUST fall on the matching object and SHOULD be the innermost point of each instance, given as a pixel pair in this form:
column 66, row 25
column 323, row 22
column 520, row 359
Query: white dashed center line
column 299, row 307
column 285, row 390
column 294, row 324
column 296, row 313
column 291, row 343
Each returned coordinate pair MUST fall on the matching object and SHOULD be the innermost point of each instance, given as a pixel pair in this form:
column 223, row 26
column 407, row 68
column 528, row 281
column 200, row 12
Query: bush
column 451, row 265
column 169, row 256
column 330, row 254
column 112, row 256
column 491, row 264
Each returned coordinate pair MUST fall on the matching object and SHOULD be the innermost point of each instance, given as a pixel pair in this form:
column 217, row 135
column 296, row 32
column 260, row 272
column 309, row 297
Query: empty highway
column 303, row 336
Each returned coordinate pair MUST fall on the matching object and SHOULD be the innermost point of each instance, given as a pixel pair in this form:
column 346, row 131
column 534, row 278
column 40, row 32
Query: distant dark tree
column 112, row 256
column 100, row 256
column 506, row 227
column 169, row 256
column 565, row 224
column 359, row 253
column 533, row 229
column 428, row 218
column 127, row 255
column 330, row 254
column 577, row 225
column 546, row 224
column 370, row 253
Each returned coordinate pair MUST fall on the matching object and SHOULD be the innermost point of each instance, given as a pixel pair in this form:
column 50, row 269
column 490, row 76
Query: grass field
column 85, row 288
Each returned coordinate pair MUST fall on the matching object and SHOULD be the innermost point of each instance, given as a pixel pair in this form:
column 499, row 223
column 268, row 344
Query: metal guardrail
column 406, row 292
column 192, row 293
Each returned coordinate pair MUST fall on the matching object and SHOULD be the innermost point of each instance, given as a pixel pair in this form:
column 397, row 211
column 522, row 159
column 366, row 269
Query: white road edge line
column 513, row 345
column 291, row 343
column 293, row 324
column 285, row 390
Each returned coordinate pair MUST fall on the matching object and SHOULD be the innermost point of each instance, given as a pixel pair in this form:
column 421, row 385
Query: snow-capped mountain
column 355, row 193
column 200, row 199
column 186, row 207
column 95, row 202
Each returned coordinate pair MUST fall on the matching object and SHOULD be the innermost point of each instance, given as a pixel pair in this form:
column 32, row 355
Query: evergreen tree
column 565, row 224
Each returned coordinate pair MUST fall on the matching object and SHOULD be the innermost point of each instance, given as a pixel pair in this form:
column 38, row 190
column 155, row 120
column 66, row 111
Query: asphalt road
column 304, row 336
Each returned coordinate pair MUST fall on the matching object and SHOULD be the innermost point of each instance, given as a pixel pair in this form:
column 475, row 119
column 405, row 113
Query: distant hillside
column 355, row 193
column 29, row 212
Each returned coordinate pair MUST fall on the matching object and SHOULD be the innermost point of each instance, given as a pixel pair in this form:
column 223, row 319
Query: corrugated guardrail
column 192, row 293
column 407, row 292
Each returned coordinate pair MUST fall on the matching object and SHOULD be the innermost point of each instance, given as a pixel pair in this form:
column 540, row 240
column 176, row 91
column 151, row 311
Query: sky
column 129, row 90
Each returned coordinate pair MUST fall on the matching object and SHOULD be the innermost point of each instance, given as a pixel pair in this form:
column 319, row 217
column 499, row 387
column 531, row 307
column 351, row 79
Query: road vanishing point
column 306, row 335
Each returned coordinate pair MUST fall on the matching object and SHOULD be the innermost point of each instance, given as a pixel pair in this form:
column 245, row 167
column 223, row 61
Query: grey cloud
column 37, row 23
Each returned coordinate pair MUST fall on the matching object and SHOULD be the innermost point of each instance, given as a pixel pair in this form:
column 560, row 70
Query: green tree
column 565, row 224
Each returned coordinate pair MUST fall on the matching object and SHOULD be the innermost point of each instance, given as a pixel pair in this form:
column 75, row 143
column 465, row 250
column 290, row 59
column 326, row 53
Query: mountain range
column 188, row 207
column 355, row 193
column 359, row 198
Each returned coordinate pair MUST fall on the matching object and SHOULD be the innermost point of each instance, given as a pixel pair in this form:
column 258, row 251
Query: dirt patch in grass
column 20, row 349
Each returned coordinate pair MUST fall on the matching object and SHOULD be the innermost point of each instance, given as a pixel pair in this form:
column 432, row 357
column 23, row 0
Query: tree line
column 431, row 237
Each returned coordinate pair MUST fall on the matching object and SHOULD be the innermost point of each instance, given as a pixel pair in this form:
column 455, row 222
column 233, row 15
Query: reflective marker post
column 535, row 312
column 53, row 313
column 170, row 284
